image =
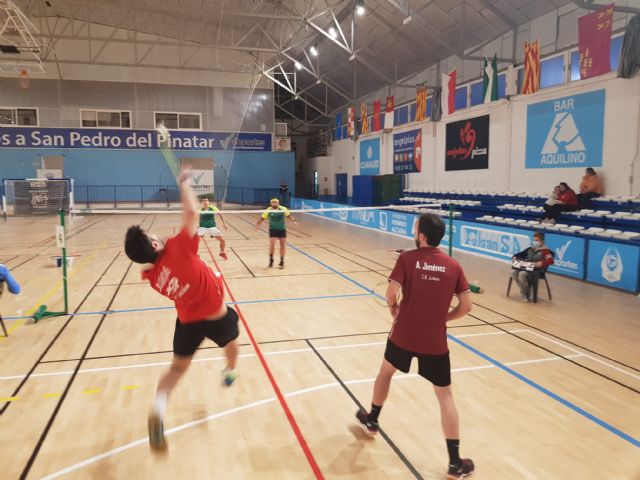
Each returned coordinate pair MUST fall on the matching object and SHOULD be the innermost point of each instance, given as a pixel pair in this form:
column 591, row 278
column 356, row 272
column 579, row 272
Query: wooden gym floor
column 544, row 391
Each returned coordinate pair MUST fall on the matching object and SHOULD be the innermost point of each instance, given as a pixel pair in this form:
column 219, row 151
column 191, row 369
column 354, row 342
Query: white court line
column 184, row 426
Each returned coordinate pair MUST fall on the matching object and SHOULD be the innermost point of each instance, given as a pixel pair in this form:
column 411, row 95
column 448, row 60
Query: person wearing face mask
column 538, row 254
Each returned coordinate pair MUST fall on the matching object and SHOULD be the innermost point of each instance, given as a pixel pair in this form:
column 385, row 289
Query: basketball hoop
column 23, row 78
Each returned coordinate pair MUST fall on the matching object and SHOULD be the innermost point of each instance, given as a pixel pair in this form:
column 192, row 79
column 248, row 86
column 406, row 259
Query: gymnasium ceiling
column 254, row 36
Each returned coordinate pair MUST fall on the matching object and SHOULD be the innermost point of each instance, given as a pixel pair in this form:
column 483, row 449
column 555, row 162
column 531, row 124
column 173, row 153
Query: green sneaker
column 156, row 432
column 228, row 377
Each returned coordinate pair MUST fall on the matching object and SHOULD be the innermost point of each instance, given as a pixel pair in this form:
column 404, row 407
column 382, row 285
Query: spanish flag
column 531, row 82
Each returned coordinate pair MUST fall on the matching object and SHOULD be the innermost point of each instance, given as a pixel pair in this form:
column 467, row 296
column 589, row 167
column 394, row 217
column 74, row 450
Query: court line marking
column 210, row 359
column 510, row 371
column 296, row 393
column 241, row 302
column 276, row 388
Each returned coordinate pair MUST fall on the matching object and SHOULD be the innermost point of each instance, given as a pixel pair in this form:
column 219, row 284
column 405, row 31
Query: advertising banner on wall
column 467, row 146
column 569, row 254
column 125, row 139
column 370, row 157
column 407, row 151
column 613, row 264
column 566, row 132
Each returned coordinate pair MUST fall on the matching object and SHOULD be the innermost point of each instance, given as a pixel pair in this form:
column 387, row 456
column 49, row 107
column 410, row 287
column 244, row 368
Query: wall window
column 179, row 121
column 476, row 94
column 429, row 106
column 461, row 98
column 552, row 72
column 105, row 118
column 403, row 114
column 27, row 117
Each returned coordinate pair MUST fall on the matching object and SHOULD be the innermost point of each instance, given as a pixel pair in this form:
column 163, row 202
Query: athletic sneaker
column 525, row 298
column 228, row 377
column 367, row 425
column 156, row 432
column 281, row 264
column 270, row 262
column 463, row 470
column 224, row 256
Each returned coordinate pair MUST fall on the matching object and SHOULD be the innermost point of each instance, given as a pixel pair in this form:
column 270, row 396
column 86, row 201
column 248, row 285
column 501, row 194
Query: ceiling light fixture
column 360, row 7
column 298, row 66
column 314, row 50
column 333, row 33
column 407, row 20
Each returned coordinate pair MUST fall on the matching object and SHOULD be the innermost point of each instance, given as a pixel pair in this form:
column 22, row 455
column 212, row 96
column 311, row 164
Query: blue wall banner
column 569, row 254
column 566, row 132
column 125, row 139
column 614, row 264
column 370, row 157
column 407, row 151
column 493, row 241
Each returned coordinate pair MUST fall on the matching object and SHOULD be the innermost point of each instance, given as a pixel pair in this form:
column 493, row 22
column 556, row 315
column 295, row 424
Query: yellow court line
column 89, row 391
column 130, row 387
column 51, row 395
column 8, row 399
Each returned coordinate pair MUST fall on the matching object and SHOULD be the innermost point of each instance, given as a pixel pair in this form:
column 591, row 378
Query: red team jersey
column 182, row 276
column 429, row 278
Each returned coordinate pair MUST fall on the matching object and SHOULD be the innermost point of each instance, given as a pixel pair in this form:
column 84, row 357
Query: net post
column 64, row 263
column 451, row 230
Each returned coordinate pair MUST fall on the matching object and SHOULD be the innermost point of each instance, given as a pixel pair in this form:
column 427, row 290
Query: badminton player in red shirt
column 174, row 269
column 428, row 279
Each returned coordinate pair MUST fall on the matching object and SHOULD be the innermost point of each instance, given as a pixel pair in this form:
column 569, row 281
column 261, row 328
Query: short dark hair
column 591, row 171
column 540, row 235
column 432, row 227
column 137, row 246
column 564, row 184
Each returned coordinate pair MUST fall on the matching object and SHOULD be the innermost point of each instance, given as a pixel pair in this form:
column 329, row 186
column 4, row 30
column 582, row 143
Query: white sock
column 160, row 405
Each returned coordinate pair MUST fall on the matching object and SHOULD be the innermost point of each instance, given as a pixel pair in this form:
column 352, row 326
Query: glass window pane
column 616, row 48
column 125, row 120
column 189, row 122
column 520, row 79
column 412, row 112
column 7, row 116
column 429, row 106
column 502, row 85
column 88, row 118
column 476, row 94
column 27, row 117
column 575, row 66
column 461, row 98
column 552, row 72
column 108, row 119
column 403, row 114
column 169, row 120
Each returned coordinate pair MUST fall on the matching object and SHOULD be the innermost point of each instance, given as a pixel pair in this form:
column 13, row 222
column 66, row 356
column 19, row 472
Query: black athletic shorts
column 188, row 336
column 435, row 368
column 277, row 233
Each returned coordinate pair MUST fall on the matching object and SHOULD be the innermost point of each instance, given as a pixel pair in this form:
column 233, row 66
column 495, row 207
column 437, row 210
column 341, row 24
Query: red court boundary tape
column 283, row 403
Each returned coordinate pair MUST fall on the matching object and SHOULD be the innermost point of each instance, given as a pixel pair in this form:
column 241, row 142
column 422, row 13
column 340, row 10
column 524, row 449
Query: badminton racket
column 379, row 294
column 164, row 145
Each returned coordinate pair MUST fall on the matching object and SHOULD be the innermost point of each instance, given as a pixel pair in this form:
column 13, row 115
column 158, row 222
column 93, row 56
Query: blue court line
column 633, row 441
column 242, row 302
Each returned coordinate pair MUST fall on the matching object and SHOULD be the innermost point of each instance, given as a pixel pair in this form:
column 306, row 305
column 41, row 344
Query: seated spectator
column 539, row 254
column 6, row 277
column 590, row 188
column 553, row 198
column 567, row 202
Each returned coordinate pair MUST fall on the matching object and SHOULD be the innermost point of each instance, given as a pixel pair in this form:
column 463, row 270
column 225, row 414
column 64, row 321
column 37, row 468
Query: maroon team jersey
column 182, row 276
column 429, row 278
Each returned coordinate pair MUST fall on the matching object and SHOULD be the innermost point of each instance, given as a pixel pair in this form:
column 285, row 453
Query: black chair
column 4, row 329
column 534, row 281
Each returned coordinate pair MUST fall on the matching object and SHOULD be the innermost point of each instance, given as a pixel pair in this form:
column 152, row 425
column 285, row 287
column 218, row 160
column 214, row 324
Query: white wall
column 507, row 144
column 341, row 160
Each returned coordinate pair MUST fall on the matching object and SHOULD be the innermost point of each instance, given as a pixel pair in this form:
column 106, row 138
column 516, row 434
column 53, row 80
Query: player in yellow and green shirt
column 208, row 224
column 276, row 214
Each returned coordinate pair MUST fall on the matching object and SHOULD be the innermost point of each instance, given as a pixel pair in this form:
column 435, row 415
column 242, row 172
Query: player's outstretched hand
column 185, row 173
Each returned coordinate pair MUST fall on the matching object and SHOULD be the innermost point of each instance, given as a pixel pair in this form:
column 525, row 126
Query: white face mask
column 535, row 244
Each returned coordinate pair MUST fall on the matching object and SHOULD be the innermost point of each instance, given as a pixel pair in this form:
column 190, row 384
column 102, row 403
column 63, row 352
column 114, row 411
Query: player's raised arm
column 190, row 214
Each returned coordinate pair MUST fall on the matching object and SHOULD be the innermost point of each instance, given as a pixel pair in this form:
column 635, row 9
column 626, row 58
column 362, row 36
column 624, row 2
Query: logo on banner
column 467, row 145
column 567, row 132
column 383, row 220
column 561, row 262
column 612, row 265
column 492, row 241
column 370, row 157
column 407, row 152
column 343, row 215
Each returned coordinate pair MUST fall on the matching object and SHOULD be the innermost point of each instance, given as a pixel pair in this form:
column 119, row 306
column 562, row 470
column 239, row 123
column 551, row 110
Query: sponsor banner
column 566, row 132
column 569, row 254
column 370, row 157
column 124, row 139
column 407, row 151
column 496, row 242
column 467, row 146
column 614, row 264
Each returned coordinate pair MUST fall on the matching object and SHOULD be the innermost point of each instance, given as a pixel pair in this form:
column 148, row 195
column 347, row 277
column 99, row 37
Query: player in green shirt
column 276, row 214
column 208, row 224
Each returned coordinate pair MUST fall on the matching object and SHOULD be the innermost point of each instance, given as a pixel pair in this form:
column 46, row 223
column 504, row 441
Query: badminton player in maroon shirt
column 428, row 279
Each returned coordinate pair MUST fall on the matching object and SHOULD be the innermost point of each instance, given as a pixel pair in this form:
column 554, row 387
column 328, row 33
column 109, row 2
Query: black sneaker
column 156, row 432
column 463, row 470
column 370, row 427
column 270, row 262
column 281, row 264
